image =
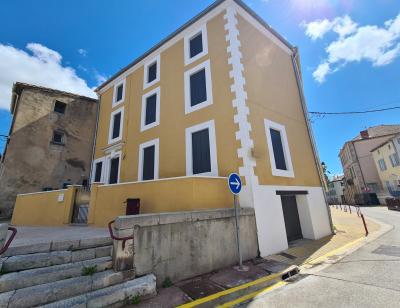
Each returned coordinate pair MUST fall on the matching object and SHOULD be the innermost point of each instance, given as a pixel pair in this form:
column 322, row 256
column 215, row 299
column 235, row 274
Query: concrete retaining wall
column 183, row 244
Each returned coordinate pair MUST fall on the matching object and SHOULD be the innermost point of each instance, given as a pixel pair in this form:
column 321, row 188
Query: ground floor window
column 148, row 160
column 201, row 153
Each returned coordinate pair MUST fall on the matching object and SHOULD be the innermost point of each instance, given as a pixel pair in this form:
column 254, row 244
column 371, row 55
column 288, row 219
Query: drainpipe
column 94, row 140
column 309, row 130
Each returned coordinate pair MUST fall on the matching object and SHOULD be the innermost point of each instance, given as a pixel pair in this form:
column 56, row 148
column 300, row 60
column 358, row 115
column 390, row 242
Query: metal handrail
column 8, row 243
column 123, row 239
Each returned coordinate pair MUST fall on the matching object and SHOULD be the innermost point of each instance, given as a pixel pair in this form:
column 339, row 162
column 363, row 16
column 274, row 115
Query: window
column 279, row 154
column 198, row 89
column 201, row 153
column 196, row 45
column 97, row 171
column 60, row 107
column 151, row 72
column 148, row 160
column 58, row 137
column 116, row 123
column 394, row 159
column 113, row 177
column 150, row 116
column 382, row 164
column 119, row 93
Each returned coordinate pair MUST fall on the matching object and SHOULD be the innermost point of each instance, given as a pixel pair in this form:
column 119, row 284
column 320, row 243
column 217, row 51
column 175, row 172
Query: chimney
column 364, row 134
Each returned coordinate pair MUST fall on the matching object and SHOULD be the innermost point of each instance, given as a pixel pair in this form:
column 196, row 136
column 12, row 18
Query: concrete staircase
column 67, row 274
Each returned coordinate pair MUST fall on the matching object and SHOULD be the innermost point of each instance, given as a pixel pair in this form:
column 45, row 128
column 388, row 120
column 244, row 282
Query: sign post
column 235, row 186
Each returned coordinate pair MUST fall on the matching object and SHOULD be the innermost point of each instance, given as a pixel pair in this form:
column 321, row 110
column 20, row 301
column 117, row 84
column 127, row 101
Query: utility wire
column 352, row 112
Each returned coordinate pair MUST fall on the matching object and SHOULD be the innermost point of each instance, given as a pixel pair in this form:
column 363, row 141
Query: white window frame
column 108, row 166
column 210, row 125
column 155, row 143
column 103, row 168
column 382, row 165
column 203, row 30
column 144, row 127
column 119, row 138
column 115, row 102
column 286, row 150
column 205, row 65
column 146, row 72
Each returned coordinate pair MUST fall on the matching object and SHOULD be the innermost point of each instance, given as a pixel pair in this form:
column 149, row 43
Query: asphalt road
column 369, row 277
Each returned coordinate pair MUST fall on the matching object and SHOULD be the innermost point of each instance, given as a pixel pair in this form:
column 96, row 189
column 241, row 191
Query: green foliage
column 135, row 300
column 89, row 270
column 167, row 283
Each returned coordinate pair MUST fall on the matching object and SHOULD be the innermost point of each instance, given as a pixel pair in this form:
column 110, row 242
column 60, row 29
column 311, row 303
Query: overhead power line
column 352, row 112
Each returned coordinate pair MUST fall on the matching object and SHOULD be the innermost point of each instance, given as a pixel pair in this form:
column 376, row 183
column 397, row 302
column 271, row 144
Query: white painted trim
column 114, row 101
column 110, row 129
column 210, row 125
column 103, row 167
column 204, row 38
column 242, row 109
column 44, row 192
column 155, row 143
column 288, row 159
column 206, row 66
column 144, row 127
column 108, row 166
column 146, row 72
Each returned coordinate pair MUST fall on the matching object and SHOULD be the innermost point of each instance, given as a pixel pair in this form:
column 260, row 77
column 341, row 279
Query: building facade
column 50, row 142
column 387, row 162
column 362, row 182
column 222, row 94
column 335, row 191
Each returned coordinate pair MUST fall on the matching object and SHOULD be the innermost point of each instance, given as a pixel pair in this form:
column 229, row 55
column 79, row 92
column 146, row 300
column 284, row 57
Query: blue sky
column 349, row 50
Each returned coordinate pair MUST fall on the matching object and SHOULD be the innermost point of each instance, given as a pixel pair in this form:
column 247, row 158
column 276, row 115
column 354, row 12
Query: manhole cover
column 387, row 250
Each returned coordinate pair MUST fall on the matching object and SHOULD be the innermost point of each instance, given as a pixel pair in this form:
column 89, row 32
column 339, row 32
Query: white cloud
column 318, row 28
column 378, row 45
column 82, row 52
column 38, row 65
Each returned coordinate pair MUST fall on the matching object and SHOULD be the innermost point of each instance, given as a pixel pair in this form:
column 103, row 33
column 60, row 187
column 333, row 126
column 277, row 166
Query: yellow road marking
column 229, row 291
column 252, row 295
column 333, row 252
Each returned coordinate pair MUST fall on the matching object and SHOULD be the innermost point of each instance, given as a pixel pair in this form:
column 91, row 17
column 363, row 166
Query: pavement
column 231, row 287
column 366, row 275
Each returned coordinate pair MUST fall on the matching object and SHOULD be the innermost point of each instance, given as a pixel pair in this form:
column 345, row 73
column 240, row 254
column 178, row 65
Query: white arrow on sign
column 237, row 183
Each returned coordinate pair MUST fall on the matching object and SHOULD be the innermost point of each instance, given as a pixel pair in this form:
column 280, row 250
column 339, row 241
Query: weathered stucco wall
column 167, row 195
column 31, row 161
column 184, row 244
column 53, row 208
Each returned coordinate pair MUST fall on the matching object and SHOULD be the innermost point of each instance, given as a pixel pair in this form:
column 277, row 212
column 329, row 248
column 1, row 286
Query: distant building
column 362, row 182
column 335, row 193
column 387, row 161
column 50, row 142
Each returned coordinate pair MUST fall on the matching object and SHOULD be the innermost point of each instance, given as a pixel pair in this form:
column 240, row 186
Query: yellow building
column 222, row 94
column 386, row 158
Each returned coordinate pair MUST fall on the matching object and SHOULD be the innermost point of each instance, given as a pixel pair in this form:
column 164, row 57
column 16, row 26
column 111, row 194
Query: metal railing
column 10, row 239
column 123, row 239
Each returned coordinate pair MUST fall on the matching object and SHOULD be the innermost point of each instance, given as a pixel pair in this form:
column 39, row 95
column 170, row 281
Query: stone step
column 115, row 296
column 37, row 260
column 32, row 277
column 63, row 289
column 77, row 244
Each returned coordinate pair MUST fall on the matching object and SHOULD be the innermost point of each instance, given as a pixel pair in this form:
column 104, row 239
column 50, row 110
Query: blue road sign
column 234, row 183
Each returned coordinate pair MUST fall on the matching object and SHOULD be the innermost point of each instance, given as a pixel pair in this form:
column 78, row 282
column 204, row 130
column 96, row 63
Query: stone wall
column 32, row 162
column 183, row 244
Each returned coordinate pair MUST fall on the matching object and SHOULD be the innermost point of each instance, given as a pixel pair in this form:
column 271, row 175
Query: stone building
column 362, row 182
column 50, row 142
